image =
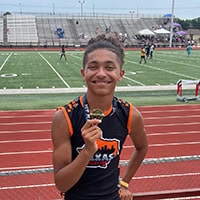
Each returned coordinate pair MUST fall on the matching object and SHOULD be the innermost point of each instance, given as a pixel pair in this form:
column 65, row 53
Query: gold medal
column 97, row 114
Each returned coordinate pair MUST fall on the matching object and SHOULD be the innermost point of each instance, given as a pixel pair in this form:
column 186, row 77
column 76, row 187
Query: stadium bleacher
column 1, row 30
column 21, row 30
column 31, row 30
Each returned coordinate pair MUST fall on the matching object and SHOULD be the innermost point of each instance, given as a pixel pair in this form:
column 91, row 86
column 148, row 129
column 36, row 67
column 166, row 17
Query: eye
column 110, row 67
column 92, row 67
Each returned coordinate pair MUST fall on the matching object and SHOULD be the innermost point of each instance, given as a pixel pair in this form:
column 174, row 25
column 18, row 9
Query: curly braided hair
column 104, row 41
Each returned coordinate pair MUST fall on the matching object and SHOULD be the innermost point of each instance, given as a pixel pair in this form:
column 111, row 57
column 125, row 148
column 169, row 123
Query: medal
column 97, row 114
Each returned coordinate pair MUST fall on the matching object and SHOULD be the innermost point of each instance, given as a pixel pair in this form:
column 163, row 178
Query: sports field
column 39, row 70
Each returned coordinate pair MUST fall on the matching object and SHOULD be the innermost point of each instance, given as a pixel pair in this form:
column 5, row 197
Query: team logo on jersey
column 107, row 150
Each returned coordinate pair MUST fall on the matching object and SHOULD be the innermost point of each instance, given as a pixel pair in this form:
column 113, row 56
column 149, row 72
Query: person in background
column 152, row 47
column 147, row 49
column 143, row 55
column 189, row 50
column 89, row 132
column 62, row 52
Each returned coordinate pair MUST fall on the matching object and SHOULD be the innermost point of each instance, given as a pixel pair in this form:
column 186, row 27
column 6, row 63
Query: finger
column 91, row 122
column 91, row 136
column 95, row 130
column 91, row 131
column 95, row 122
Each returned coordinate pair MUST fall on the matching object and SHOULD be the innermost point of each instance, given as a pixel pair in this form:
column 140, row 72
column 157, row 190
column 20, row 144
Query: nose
column 101, row 72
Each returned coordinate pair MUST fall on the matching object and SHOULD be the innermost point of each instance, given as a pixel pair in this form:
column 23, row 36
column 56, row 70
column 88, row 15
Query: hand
column 125, row 194
column 91, row 133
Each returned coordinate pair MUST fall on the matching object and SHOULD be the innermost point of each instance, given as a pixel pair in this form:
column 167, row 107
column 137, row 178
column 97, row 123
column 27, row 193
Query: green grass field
column 43, row 69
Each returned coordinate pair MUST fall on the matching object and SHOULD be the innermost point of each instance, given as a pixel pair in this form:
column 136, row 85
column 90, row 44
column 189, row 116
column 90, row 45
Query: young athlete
column 62, row 52
column 152, row 48
column 189, row 50
column 143, row 55
column 88, row 133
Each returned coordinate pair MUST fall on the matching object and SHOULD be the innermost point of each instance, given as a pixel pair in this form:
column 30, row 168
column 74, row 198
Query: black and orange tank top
column 101, row 177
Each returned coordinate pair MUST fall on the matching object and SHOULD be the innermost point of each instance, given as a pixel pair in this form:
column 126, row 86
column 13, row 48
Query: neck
column 99, row 102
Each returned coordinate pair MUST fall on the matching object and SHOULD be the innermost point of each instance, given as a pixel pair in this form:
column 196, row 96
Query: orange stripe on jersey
column 81, row 101
column 69, row 124
column 130, row 118
column 108, row 111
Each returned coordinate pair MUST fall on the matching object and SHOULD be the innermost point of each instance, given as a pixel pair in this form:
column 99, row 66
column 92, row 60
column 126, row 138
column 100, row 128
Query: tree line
column 189, row 23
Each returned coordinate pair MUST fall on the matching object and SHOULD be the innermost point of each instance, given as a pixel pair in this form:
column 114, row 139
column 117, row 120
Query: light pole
column 171, row 28
column 93, row 8
column 137, row 11
column 20, row 8
column 53, row 9
column 81, row 2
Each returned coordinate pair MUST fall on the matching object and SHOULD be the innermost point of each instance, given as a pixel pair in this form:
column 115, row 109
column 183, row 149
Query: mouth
column 97, row 82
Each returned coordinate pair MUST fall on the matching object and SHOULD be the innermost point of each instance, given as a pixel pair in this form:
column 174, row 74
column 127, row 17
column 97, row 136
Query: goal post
column 188, row 84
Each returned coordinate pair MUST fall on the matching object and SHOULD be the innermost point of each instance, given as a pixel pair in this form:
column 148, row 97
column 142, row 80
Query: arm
column 66, row 171
column 138, row 137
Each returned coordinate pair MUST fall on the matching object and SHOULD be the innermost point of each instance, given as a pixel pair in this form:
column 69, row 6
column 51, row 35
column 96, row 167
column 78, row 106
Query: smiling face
column 101, row 72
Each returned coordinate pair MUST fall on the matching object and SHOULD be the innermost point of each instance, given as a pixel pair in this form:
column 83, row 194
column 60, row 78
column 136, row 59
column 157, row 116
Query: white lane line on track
column 27, row 186
column 21, row 141
column 25, row 167
column 174, row 124
column 165, row 145
column 125, row 147
column 174, row 133
column 171, row 111
column 134, row 178
column 23, row 116
column 25, row 131
column 25, row 152
column 147, row 125
column 24, row 123
column 173, row 117
column 167, row 176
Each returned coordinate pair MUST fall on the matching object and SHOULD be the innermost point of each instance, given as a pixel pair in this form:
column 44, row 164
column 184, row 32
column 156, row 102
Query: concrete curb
column 81, row 90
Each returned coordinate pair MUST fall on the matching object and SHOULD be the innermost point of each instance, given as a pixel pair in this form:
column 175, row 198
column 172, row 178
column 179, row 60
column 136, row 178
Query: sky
column 183, row 9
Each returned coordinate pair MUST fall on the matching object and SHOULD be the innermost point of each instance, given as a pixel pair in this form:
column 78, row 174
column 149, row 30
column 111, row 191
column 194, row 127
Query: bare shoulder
column 137, row 116
column 61, row 141
column 59, row 127
column 58, row 117
column 138, row 133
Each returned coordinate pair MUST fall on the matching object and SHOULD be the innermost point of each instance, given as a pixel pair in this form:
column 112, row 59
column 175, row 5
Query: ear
column 121, row 75
column 83, row 73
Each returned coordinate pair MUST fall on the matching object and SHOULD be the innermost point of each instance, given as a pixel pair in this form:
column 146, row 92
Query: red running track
column 172, row 131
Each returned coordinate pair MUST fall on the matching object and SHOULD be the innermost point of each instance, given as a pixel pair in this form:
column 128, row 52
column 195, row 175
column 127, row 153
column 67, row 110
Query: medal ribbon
column 87, row 110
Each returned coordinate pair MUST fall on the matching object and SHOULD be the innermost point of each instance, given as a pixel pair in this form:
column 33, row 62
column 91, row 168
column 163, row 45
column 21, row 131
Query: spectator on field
column 62, row 52
column 189, row 50
column 143, row 55
column 152, row 47
column 147, row 49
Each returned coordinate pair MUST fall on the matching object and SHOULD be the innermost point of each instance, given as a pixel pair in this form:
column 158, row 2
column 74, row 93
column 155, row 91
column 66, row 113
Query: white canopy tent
column 161, row 31
column 146, row 32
